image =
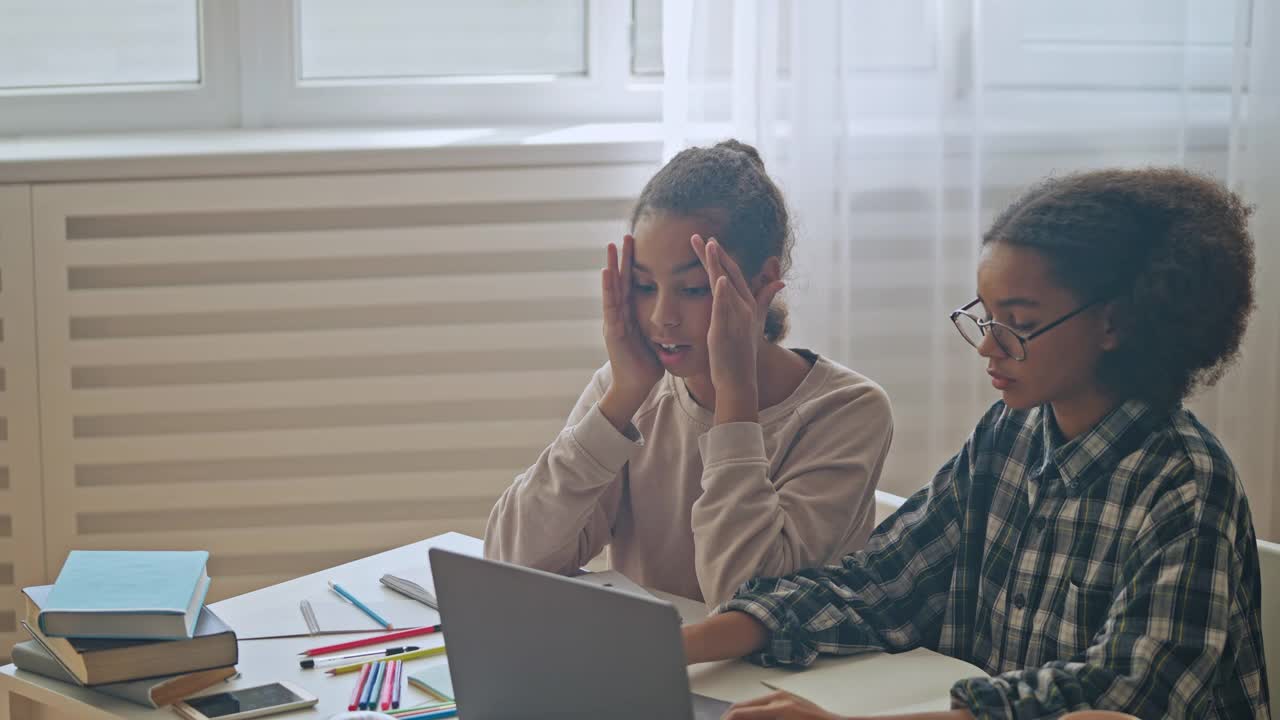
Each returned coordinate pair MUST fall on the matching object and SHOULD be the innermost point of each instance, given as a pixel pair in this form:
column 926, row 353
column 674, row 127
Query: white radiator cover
column 21, row 510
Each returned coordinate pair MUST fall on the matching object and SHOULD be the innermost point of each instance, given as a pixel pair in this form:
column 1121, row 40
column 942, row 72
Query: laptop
column 529, row 644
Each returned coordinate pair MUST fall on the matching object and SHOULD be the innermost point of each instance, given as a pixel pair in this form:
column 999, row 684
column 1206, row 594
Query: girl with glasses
column 1090, row 546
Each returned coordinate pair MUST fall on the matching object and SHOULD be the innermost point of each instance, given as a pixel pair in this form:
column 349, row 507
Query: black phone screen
column 238, row 701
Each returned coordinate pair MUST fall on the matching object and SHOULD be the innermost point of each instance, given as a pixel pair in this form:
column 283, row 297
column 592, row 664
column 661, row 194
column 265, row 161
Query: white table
column 27, row 696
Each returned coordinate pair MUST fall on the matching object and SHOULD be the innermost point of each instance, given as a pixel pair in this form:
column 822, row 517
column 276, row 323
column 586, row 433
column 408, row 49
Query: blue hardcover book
column 140, row 594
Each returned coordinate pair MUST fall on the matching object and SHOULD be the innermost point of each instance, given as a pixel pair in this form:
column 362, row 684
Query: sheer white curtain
column 898, row 127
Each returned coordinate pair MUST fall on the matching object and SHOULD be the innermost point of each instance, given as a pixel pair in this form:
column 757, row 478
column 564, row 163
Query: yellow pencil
column 411, row 655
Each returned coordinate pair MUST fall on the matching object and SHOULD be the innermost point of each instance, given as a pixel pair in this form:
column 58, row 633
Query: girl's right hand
column 636, row 368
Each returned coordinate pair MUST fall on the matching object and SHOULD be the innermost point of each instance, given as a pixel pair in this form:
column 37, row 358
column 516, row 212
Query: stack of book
column 129, row 624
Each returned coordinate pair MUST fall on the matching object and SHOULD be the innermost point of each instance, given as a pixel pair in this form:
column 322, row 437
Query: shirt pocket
column 1084, row 613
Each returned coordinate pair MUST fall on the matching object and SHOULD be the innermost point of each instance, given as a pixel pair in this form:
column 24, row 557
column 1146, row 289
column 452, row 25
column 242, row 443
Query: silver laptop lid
column 528, row 644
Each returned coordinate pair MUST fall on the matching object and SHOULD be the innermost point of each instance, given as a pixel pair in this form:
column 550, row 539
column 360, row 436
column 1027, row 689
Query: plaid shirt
column 1118, row 570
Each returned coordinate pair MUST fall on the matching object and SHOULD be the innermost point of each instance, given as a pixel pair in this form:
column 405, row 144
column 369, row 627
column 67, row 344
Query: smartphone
column 250, row 702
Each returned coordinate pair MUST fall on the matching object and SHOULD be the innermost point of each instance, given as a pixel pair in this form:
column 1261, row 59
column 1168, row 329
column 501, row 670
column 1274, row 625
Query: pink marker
column 388, row 682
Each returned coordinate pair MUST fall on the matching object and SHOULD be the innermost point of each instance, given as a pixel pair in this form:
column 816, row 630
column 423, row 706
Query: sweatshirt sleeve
column 559, row 513
column 747, row 524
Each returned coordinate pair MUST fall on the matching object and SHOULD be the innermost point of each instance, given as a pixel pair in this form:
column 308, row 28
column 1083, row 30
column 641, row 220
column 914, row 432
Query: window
column 87, row 65
column 386, row 39
column 82, row 65
column 646, row 37
column 121, row 43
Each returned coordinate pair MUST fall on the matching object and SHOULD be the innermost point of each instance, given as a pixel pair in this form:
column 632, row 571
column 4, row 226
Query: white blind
column 341, row 40
column 70, row 43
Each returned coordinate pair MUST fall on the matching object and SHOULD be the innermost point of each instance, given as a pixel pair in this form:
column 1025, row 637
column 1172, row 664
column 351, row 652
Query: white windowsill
column 214, row 153
column 1055, row 122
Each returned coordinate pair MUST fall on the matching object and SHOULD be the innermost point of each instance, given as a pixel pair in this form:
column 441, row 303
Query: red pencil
column 412, row 632
column 355, row 696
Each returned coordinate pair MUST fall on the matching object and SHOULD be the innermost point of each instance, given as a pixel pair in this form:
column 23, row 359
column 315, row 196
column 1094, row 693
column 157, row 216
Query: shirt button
column 1039, row 523
column 1019, row 601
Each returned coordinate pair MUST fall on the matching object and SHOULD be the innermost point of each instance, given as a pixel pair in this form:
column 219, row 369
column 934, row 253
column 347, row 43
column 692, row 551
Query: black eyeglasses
column 1014, row 344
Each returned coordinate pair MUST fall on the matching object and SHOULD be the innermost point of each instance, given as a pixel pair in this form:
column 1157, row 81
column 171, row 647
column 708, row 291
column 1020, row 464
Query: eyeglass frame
column 1022, row 339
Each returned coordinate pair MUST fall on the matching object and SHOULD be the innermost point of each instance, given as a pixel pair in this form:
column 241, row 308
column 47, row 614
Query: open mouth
column 670, row 353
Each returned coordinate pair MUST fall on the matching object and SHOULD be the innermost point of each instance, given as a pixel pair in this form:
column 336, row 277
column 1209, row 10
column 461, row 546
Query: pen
column 310, row 663
column 363, row 608
column 425, row 652
column 355, row 694
column 376, row 640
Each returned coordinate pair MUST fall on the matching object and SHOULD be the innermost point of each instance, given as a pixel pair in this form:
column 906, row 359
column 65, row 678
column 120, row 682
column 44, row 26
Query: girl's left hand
column 778, row 706
column 737, row 322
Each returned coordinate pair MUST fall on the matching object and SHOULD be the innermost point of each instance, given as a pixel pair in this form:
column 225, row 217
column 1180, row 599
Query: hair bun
column 745, row 149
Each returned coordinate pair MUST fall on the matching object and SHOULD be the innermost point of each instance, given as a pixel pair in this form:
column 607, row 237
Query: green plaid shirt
column 1117, row 571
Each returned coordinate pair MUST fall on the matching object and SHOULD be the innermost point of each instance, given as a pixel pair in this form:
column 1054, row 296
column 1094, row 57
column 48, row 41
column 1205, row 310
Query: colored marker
column 359, row 689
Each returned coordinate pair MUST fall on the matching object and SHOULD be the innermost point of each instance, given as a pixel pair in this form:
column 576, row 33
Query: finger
column 699, row 249
column 611, row 270
column 628, row 257
column 731, row 269
column 772, row 711
column 703, row 250
column 722, row 298
column 767, row 293
column 762, row 700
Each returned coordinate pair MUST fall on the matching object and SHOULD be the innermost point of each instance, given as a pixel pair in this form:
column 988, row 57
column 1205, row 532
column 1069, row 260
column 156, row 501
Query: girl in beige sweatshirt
column 704, row 454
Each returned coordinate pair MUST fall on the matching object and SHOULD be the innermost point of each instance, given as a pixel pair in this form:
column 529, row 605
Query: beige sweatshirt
column 697, row 510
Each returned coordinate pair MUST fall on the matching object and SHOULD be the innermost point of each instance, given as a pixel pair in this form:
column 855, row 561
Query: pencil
column 425, row 652
column 376, row 640
column 363, row 608
column 355, row 694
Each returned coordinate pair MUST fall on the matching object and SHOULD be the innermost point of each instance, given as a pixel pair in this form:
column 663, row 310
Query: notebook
column 142, row 594
column 94, row 661
column 913, row 681
column 156, row 692
column 433, row 680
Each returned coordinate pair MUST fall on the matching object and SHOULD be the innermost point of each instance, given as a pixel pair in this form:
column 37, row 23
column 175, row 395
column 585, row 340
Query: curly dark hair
column 727, row 185
column 1172, row 247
